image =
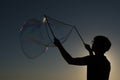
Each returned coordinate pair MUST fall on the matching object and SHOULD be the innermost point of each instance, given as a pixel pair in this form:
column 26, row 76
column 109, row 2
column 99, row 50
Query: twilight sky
column 91, row 18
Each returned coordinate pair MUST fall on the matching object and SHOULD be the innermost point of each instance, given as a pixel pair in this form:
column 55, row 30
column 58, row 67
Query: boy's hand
column 87, row 46
column 56, row 42
column 89, row 49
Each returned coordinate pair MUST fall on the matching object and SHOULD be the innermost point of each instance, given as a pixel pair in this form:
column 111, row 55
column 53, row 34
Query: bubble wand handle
column 79, row 35
column 90, row 51
column 50, row 26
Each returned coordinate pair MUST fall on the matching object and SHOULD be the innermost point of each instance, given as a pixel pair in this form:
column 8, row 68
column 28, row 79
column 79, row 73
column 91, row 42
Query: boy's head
column 100, row 45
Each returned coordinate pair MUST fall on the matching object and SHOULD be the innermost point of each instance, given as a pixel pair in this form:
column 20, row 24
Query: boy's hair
column 102, row 43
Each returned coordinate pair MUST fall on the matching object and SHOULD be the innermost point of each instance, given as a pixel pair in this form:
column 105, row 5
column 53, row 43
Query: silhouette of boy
column 98, row 66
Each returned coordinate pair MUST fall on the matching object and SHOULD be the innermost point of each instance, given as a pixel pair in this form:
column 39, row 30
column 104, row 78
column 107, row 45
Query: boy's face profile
column 100, row 45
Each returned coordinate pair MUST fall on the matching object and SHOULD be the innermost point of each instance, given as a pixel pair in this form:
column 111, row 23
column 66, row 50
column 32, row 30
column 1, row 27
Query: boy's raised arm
column 68, row 57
